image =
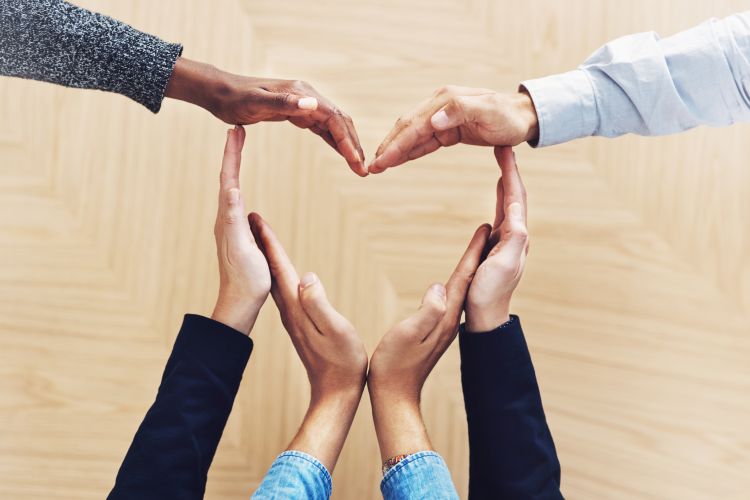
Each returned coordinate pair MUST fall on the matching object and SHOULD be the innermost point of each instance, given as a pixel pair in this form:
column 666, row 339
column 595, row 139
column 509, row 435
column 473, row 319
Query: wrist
column 481, row 319
column 527, row 112
column 198, row 83
column 236, row 314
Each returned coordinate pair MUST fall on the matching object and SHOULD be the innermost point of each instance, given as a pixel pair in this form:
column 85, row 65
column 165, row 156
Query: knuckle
column 446, row 90
column 402, row 121
column 231, row 218
column 282, row 100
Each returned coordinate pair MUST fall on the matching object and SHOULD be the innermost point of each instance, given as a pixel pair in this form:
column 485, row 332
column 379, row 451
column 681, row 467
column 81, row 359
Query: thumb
column 315, row 304
column 453, row 114
column 429, row 314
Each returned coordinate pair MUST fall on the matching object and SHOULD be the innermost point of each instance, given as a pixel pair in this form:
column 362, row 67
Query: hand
column 244, row 100
column 488, row 301
column 455, row 115
column 409, row 351
column 328, row 345
column 244, row 278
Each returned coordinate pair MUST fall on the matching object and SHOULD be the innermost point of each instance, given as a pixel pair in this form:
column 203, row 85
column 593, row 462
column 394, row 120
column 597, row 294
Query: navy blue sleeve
column 512, row 455
column 175, row 444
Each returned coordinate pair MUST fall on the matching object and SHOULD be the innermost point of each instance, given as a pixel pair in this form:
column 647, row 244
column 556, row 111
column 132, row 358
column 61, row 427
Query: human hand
column 488, row 300
column 328, row 346
column 244, row 100
column 453, row 115
column 409, row 351
column 244, row 278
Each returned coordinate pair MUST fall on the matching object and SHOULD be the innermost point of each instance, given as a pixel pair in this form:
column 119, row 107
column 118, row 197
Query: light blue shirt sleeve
column 647, row 85
column 419, row 476
column 295, row 476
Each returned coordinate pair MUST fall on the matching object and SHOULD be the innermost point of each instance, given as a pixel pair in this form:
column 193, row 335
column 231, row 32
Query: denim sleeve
column 647, row 85
column 295, row 476
column 422, row 475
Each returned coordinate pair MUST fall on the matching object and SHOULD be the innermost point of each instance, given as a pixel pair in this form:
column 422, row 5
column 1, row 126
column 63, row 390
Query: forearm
column 325, row 427
column 175, row 444
column 512, row 453
column 398, row 425
column 56, row 42
column 650, row 86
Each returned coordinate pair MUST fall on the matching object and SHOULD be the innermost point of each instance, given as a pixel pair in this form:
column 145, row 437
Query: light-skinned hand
column 408, row 352
column 244, row 277
column 328, row 346
column 454, row 115
column 488, row 301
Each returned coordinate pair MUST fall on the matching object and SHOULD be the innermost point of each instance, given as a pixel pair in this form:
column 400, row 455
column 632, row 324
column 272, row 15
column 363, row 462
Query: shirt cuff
column 505, row 347
column 219, row 347
column 295, row 475
column 565, row 107
column 421, row 475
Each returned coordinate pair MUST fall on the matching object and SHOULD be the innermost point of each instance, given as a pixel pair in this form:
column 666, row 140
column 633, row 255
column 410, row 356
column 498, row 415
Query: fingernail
column 234, row 196
column 307, row 103
column 439, row 290
column 308, row 279
column 237, row 128
column 440, row 120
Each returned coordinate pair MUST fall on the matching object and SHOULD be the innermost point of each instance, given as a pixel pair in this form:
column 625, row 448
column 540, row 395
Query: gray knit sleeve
column 54, row 41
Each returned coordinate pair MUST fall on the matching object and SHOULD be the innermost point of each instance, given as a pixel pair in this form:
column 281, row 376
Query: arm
column 336, row 364
column 399, row 368
column 173, row 448
column 175, row 444
column 650, row 86
column 56, row 42
column 637, row 84
column 512, row 454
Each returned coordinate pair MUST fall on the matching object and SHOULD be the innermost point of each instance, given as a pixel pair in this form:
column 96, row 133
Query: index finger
column 347, row 143
column 285, row 279
column 230, row 166
column 514, row 192
column 417, row 131
column 458, row 284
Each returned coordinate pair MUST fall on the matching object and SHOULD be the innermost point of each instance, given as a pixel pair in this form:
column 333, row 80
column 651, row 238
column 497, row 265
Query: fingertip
column 308, row 279
column 440, row 120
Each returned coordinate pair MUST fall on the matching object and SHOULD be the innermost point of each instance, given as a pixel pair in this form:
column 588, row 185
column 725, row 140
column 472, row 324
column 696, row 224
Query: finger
column 429, row 314
column 459, row 282
column 499, row 205
column 287, row 103
column 438, row 140
column 345, row 145
column 514, row 236
column 315, row 304
column 285, row 279
column 355, row 138
column 230, row 166
column 231, row 214
column 397, row 151
column 452, row 115
column 512, row 183
column 424, row 108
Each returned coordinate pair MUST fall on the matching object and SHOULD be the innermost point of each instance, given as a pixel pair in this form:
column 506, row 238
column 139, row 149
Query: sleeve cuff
column 219, row 347
column 565, row 107
column 505, row 346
